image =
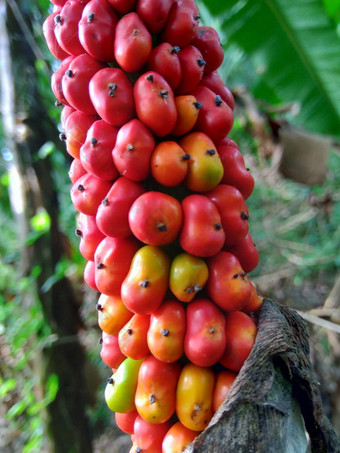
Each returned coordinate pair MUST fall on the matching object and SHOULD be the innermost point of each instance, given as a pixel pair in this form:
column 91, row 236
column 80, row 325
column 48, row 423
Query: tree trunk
column 23, row 112
column 275, row 399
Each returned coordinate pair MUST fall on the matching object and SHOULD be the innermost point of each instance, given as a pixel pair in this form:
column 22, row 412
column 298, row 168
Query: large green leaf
column 294, row 51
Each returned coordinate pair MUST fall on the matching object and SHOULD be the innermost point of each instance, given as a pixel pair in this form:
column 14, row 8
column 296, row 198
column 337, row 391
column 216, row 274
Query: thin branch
column 319, row 321
column 26, row 31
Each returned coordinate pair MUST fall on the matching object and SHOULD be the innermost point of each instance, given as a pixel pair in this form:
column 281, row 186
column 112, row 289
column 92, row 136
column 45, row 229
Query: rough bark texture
column 275, row 398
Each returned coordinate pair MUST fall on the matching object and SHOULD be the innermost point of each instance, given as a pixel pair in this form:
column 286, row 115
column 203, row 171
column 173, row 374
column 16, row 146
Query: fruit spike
column 163, row 223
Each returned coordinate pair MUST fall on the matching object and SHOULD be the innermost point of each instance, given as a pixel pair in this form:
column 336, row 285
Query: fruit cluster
column 163, row 224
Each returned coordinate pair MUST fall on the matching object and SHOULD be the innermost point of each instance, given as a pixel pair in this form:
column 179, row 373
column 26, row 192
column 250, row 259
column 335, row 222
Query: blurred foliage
column 286, row 52
column 283, row 56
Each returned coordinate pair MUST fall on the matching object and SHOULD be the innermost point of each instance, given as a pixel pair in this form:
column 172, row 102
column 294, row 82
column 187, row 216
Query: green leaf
column 41, row 222
column 294, row 50
column 7, row 386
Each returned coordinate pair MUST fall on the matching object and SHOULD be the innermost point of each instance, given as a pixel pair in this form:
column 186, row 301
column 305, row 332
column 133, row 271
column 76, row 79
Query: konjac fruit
column 192, row 66
column 122, row 6
column 169, row 163
column 125, row 421
column 215, row 117
column 233, row 211
column 227, row 285
column 187, row 114
column 113, row 213
column 87, row 193
column 148, row 437
column 90, row 235
column 76, row 170
column 154, row 13
column 205, row 337
column 112, row 314
column 166, row 332
column 75, row 82
column 208, row 42
column 224, row 381
column 132, row 43
column 96, row 30
column 164, row 60
column 205, row 169
column 155, row 218
column 202, row 234
column 51, row 41
column 234, row 170
column 113, row 257
column 245, row 251
column 121, row 387
column 76, row 127
column 111, row 353
column 177, row 438
column 216, row 84
column 133, row 149
column 89, row 275
column 155, row 397
column 145, row 286
column 155, row 103
column 111, row 93
column 182, row 23
column 188, row 276
column 96, row 152
column 240, row 338
column 194, row 396
column 56, row 80
column 66, row 29
column 132, row 338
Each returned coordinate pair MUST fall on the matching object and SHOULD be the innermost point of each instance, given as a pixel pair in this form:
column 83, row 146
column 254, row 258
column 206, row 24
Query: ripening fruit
column 187, row 114
column 227, row 285
column 155, row 103
column 188, row 276
column 75, row 82
column 132, row 43
column 177, row 438
column 202, row 234
column 96, row 30
column 112, row 258
column 205, row 169
column 66, row 29
column 166, row 332
column 89, row 234
column 113, row 213
column 240, row 331
column 121, row 387
column 111, row 93
column 132, row 151
column 160, row 189
column 155, row 397
column 155, row 218
column 132, row 338
column 96, row 152
column 112, row 314
column 205, row 337
column 194, row 396
column 223, row 383
column 146, row 283
column 87, row 193
column 110, row 353
column 169, row 163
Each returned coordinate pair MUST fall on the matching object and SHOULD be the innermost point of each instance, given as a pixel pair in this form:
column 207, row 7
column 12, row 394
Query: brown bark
column 275, row 399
